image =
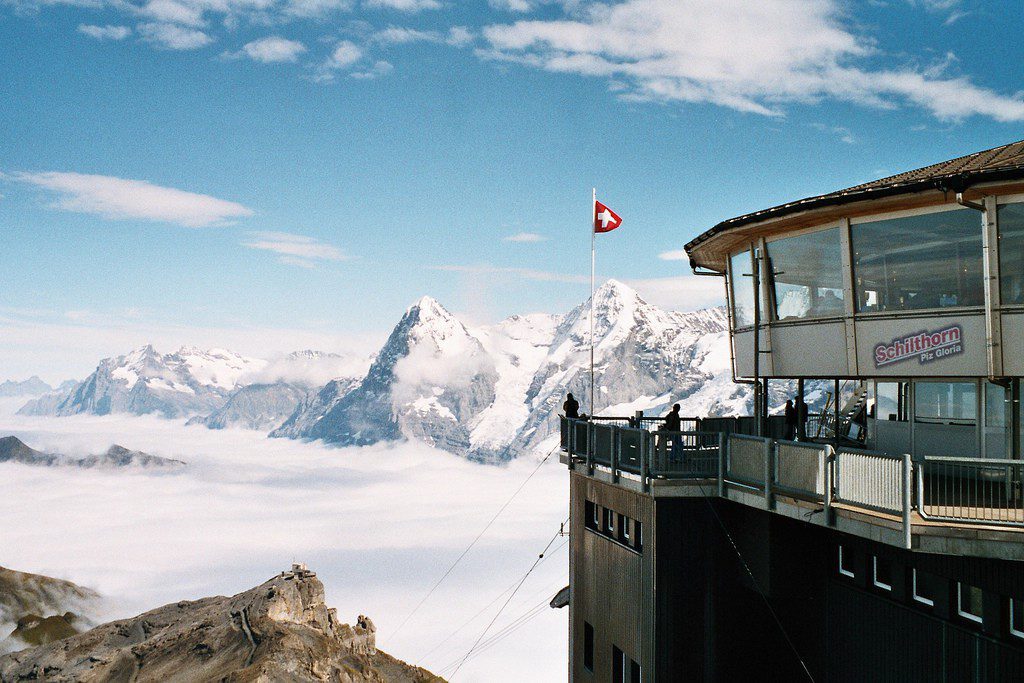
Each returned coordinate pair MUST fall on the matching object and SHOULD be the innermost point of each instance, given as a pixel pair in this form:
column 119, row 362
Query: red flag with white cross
column 605, row 220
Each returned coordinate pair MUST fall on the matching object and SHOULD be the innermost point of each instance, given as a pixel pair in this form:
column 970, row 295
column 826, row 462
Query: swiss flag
column 605, row 220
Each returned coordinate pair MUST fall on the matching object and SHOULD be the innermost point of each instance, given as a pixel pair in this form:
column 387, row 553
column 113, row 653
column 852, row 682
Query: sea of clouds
column 379, row 525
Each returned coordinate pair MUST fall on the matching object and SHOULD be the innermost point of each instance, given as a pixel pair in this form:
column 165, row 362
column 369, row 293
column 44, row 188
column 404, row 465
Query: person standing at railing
column 673, row 425
column 571, row 407
column 790, row 421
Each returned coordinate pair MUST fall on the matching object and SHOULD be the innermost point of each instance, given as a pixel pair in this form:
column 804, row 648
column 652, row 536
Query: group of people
column 672, row 422
column 794, row 415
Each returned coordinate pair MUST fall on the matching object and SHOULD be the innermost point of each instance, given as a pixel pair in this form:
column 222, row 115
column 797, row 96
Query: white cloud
column 379, row 68
column 511, row 5
column 246, row 506
column 398, row 35
column 683, row 293
column 123, row 198
column 344, row 56
column 296, row 250
column 460, row 36
column 457, row 36
column 174, row 37
column 748, row 56
column 273, row 49
column 403, row 5
column 174, row 12
column 675, row 255
column 524, row 237
column 108, row 32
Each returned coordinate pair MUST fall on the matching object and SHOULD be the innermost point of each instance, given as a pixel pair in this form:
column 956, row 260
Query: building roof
column 999, row 163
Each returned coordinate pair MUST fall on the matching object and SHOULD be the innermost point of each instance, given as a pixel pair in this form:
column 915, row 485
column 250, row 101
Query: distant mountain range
column 33, row 386
column 13, row 449
column 488, row 393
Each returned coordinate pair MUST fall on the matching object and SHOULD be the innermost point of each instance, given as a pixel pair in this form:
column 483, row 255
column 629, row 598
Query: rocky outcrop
column 278, row 632
column 13, row 449
column 37, row 609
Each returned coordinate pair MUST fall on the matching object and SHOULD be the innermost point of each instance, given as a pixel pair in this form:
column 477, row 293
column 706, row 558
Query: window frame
column 733, row 279
column 588, row 646
column 772, row 306
column 854, row 221
column 851, row 573
column 1013, row 631
column 874, row 575
column 918, row 597
column 971, row 616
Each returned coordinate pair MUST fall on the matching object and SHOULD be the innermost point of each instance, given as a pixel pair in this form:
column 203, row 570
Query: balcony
column 969, row 506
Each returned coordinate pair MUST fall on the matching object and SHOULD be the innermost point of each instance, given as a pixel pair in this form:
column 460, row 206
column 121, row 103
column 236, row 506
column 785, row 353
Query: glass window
column 997, row 402
column 927, row 261
column 882, row 573
column 969, row 602
column 892, row 401
column 807, row 274
column 742, row 290
column 846, row 563
column 588, row 646
column 946, row 402
column 921, row 590
column 1011, row 253
column 1017, row 617
column 618, row 665
column 638, row 536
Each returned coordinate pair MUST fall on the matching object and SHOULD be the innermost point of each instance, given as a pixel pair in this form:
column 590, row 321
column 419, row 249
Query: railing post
column 830, row 457
column 645, row 443
column 616, row 446
column 723, row 445
column 908, row 482
column 590, row 448
column 920, row 487
column 769, row 473
column 570, row 441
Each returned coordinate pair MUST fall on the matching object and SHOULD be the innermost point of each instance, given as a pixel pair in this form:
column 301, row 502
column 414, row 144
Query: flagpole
column 593, row 236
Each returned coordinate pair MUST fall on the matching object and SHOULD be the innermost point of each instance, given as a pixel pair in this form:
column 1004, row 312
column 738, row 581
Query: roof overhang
column 711, row 249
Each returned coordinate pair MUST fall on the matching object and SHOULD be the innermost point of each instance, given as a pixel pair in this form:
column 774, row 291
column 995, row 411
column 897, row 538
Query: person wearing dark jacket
column 571, row 407
column 674, row 423
column 790, row 420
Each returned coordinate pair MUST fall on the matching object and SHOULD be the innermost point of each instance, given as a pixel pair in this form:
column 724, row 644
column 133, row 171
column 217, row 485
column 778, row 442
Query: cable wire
column 470, row 546
column 521, row 582
column 757, row 585
column 482, row 610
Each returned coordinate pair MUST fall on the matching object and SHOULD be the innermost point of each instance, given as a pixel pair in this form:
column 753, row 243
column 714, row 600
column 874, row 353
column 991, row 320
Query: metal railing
column 746, row 460
column 971, row 490
column 869, row 479
column 800, row 469
column 686, row 454
column 959, row 490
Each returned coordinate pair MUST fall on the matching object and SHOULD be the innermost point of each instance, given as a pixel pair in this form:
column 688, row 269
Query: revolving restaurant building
column 882, row 536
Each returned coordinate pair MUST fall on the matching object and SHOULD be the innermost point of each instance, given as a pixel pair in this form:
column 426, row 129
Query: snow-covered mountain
column 494, row 392
column 179, row 384
column 255, row 406
column 429, row 382
column 487, row 393
column 33, row 386
column 644, row 358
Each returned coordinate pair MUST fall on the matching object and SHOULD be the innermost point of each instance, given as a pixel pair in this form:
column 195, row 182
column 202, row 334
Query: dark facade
column 717, row 591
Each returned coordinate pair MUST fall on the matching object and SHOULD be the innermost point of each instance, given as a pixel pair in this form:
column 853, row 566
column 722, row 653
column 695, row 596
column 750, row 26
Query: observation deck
column 948, row 505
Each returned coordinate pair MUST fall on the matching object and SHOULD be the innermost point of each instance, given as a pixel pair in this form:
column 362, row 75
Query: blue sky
column 275, row 174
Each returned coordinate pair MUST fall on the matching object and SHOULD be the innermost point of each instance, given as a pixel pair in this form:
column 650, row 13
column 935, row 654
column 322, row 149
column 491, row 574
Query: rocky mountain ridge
column 13, row 449
column 280, row 631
